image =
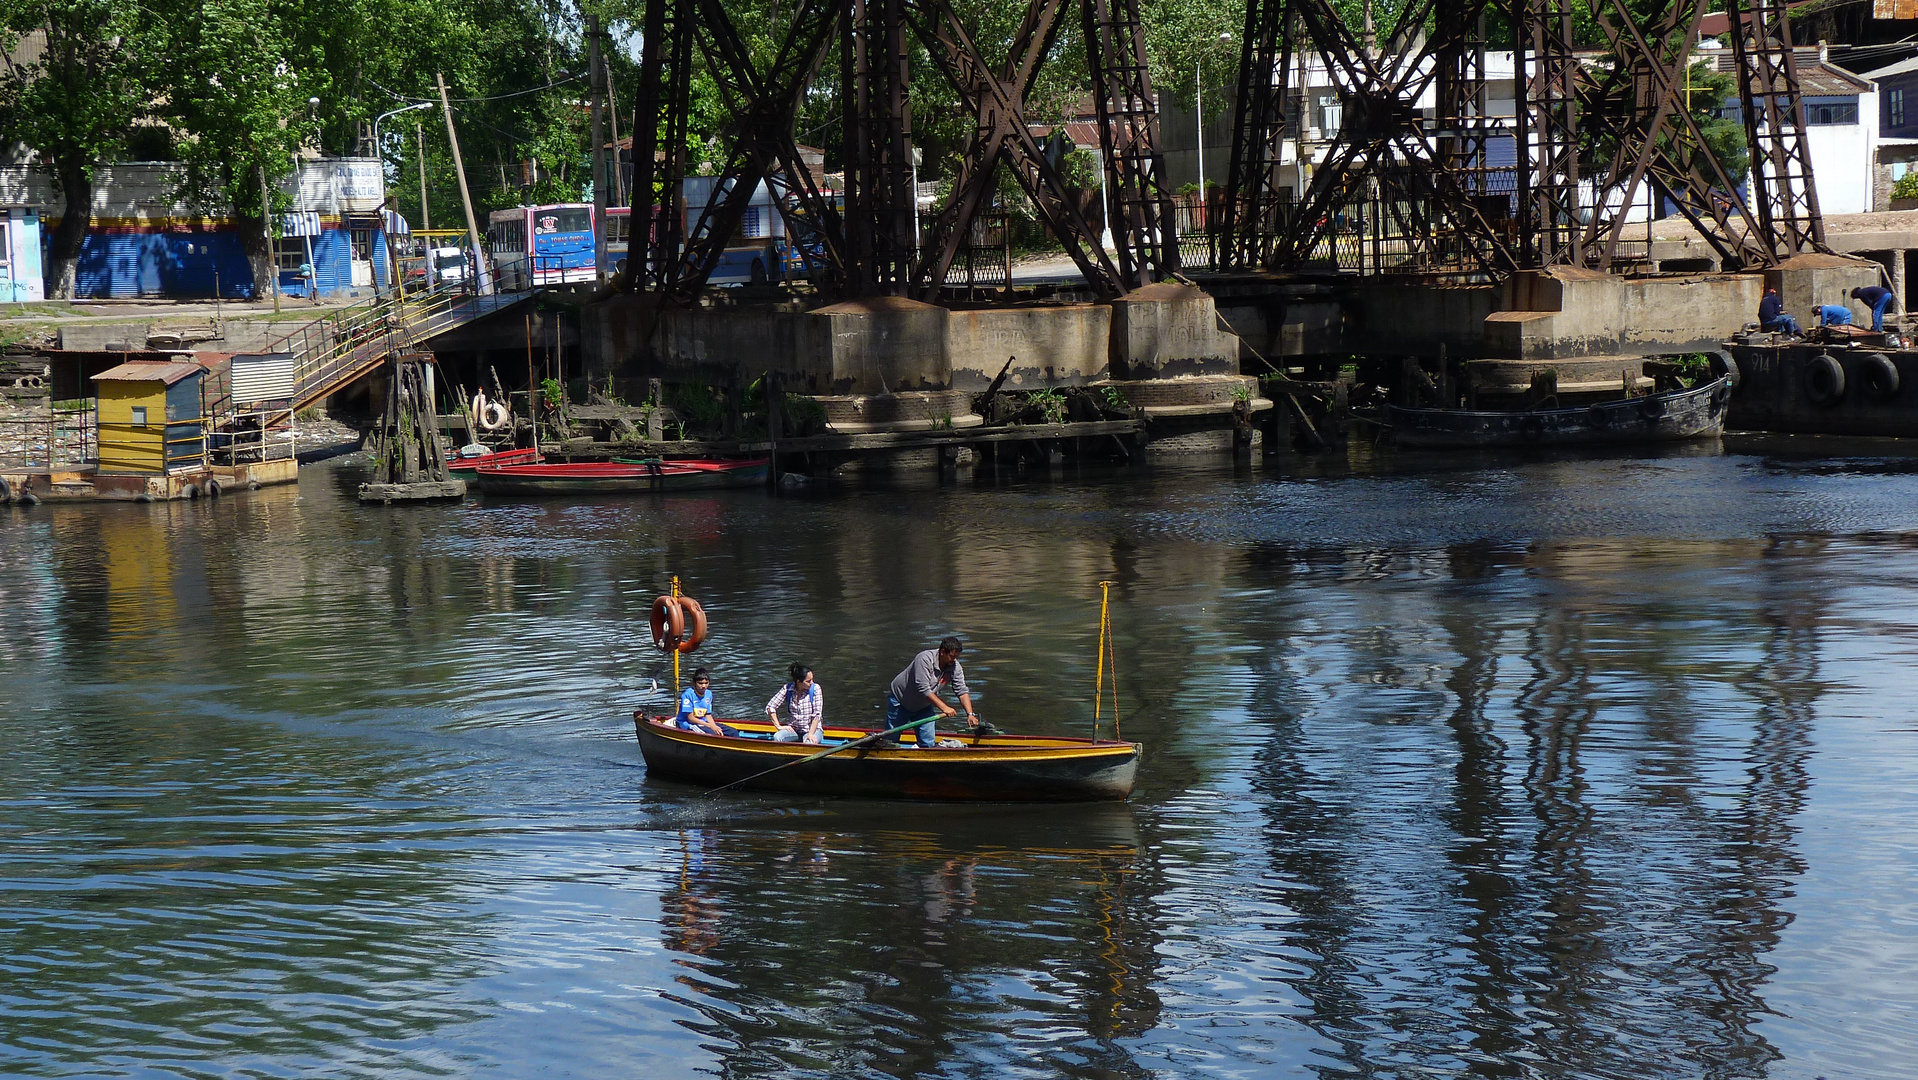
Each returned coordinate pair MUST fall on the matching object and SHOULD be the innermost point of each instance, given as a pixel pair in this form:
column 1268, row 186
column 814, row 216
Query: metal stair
column 334, row 351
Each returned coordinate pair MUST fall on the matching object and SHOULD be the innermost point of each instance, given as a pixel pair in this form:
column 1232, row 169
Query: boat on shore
column 464, row 467
column 618, row 478
column 988, row 768
column 1697, row 413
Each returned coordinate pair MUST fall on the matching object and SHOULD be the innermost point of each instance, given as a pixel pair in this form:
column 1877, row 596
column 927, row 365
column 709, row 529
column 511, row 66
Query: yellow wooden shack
column 151, row 419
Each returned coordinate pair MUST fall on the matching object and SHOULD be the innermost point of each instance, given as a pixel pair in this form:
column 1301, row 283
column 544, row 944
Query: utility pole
column 612, row 124
column 266, row 223
column 596, row 80
column 426, row 214
column 484, row 273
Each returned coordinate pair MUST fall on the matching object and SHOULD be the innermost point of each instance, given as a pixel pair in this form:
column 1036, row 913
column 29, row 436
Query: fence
column 63, row 436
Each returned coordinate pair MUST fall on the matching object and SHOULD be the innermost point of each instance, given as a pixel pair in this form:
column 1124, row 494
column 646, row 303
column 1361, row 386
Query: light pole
column 1198, row 112
column 381, row 117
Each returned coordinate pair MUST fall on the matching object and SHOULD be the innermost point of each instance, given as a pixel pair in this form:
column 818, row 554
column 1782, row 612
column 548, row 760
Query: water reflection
column 1499, row 771
column 887, row 942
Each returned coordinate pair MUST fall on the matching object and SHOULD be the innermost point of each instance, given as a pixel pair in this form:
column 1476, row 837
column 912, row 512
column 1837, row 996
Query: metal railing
column 69, row 436
column 339, row 348
column 250, row 437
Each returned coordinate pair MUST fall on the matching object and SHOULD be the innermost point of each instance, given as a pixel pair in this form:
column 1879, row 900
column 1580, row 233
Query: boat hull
column 1006, row 768
column 466, row 468
column 616, row 479
column 1698, row 413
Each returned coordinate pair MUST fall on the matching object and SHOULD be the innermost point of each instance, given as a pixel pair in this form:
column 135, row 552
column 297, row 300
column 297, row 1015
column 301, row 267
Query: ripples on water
column 1580, row 768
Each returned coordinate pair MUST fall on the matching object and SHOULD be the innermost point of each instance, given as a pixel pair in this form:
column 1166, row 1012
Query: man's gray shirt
column 914, row 687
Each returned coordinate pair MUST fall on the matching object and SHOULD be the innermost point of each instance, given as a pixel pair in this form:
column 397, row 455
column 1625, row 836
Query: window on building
column 289, row 253
column 1824, row 115
column 139, row 416
column 362, row 241
column 1895, row 108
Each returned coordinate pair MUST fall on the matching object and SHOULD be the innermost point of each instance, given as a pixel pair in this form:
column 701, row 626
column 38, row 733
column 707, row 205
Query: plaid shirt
column 806, row 711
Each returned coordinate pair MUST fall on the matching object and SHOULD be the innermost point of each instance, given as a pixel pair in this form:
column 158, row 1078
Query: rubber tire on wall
column 1879, row 376
column 214, row 489
column 1824, row 380
column 1727, row 366
column 6, row 491
column 668, row 623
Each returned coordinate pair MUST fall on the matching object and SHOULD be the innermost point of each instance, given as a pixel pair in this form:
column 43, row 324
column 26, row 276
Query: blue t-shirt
column 1833, row 315
column 690, row 699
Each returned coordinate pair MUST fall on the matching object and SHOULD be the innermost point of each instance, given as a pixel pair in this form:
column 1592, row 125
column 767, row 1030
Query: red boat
column 618, row 477
column 463, row 467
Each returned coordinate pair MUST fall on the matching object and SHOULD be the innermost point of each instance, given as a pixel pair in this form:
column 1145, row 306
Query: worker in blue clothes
column 1772, row 317
column 1832, row 315
column 1879, row 298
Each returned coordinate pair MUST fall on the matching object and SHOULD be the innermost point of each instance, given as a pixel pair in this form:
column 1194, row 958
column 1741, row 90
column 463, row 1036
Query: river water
column 1573, row 767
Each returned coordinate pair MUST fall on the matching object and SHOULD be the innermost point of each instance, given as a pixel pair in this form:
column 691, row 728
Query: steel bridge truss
column 875, row 245
column 1411, row 184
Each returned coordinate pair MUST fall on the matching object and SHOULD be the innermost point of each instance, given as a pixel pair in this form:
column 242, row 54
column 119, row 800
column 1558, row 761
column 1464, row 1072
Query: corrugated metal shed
column 260, row 377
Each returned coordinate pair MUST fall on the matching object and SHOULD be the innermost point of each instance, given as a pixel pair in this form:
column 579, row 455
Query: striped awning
column 395, row 224
column 300, row 223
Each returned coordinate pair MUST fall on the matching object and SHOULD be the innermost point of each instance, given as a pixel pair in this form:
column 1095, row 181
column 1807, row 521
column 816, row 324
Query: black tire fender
column 6, row 491
column 214, row 489
column 1824, row 380
column 1879, row 376
column 1726, row 366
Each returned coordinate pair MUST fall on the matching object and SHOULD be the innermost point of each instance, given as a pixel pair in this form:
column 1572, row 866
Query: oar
column 828, row 752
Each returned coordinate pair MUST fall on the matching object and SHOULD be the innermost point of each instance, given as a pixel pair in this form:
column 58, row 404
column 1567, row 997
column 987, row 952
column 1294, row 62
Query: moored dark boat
column 1683, row 414
column 998, row 768
column 618, row 478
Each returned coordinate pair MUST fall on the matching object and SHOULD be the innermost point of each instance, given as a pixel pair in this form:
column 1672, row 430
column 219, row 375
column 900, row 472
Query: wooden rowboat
column 618, row 478
column 464, row 468
column 997, row 768
column 1685, row 414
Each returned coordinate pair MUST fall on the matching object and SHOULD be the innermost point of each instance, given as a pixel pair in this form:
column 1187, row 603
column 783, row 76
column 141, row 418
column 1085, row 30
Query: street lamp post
column 1198, row 112
column 381, row 117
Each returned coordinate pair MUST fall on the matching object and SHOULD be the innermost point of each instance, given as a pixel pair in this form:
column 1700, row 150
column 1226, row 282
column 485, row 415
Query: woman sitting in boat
column 805, row 706
column 696, row 706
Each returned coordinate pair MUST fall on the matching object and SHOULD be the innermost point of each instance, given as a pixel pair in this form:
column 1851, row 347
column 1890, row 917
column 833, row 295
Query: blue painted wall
column 124, row 262
column 121, row 262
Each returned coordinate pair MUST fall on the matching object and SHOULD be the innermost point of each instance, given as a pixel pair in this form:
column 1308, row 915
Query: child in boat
column 805, row 706
column 696, row 706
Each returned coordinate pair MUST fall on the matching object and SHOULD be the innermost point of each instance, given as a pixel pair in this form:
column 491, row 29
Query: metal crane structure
column 866, row 243
column 1413, row 185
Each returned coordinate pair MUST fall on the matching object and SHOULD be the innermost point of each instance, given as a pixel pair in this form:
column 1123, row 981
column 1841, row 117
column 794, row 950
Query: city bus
column 759, row 250
column 541, row 245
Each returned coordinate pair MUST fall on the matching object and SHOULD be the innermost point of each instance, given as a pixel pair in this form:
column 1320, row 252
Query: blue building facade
column 144, row 242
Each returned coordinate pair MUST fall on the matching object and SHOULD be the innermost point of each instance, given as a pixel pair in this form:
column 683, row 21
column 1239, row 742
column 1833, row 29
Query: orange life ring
column 668, row 622
column 695, row 624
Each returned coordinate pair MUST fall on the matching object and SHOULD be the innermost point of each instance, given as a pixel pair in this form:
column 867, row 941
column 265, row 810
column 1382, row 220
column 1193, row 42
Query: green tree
column 239, row 93
column 75, row 103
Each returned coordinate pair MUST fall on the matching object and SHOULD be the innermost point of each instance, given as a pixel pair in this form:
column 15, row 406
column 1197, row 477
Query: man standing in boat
column 916, row 689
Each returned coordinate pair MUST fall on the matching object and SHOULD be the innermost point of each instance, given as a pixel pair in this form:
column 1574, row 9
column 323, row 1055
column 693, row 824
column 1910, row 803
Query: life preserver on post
column 668, row 623
column 1880, row 376
column 695, row 624
column 1824, row 380
column 494, row 417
